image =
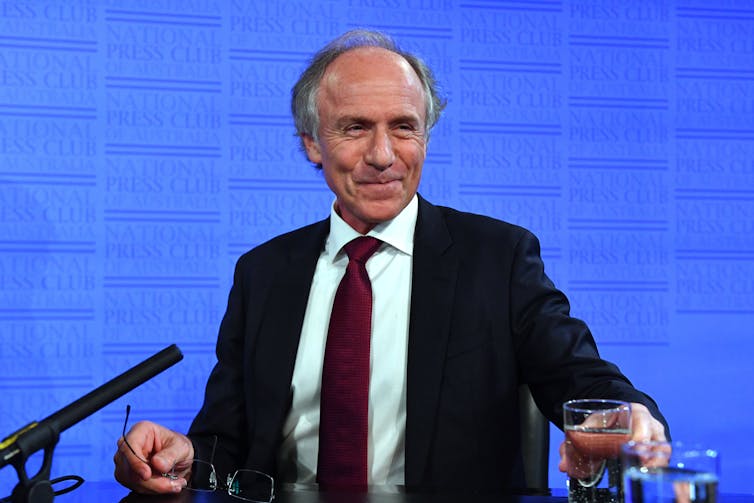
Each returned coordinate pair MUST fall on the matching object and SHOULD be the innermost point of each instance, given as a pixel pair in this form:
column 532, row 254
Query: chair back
column 535, row 443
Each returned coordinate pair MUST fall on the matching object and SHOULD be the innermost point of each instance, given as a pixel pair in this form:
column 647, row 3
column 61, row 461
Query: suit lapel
column 279, row 335
column 435, row 266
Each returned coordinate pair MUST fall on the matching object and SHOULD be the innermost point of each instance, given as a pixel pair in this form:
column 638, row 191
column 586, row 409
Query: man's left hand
column 644, row 428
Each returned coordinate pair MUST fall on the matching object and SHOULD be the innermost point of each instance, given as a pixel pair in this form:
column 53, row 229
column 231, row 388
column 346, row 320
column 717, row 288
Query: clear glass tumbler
column 663, row 472
column 595, row 430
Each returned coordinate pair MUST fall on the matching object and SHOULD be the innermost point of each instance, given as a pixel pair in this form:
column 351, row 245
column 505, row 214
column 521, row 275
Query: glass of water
column 595, row 430
column 663, row 472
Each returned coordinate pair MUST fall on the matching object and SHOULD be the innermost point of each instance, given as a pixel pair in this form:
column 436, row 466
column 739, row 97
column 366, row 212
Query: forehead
column 363, row 60
column 369, row 74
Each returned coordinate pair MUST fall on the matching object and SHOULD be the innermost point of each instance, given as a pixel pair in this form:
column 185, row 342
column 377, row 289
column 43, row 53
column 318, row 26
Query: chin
column 383, row 214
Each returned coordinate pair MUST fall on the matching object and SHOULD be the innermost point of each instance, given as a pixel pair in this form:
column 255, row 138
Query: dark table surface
column 107, row 492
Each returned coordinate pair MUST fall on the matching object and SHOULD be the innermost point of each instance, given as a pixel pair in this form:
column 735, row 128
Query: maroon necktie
column 344, row 401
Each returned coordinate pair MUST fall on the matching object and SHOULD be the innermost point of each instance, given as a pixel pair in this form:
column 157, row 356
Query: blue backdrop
column 145, row 145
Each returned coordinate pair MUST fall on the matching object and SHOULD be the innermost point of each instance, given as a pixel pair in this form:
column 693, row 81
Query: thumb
column 177, row 451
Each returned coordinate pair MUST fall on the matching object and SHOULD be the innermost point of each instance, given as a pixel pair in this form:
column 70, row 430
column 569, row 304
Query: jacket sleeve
column 557, row 353
column 218, row 432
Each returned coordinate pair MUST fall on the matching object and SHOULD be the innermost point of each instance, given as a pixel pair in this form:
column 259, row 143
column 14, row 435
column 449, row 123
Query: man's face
column 372, row 138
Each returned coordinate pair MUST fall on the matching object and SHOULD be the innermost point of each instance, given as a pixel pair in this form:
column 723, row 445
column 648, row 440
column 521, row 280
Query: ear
column 312, row 149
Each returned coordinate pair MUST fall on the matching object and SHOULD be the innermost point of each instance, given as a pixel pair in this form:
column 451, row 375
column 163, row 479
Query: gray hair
column 304, row 92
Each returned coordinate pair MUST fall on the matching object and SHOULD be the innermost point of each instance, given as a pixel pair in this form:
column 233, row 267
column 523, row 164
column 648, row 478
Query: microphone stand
column 16, row 449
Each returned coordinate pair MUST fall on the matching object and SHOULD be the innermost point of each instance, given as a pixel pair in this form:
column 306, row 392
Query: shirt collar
column 398, row 232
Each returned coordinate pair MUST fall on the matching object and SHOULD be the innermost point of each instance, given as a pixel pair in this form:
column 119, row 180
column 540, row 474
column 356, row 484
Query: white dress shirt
column 389, row 270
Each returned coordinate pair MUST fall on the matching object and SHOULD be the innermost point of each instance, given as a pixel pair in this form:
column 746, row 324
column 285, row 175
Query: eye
column 354, row 128
column 405, row 129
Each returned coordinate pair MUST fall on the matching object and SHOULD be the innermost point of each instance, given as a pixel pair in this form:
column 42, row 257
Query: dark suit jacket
column 484, row 317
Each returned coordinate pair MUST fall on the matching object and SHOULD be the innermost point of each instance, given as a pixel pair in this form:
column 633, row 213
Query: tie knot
column 361, row 248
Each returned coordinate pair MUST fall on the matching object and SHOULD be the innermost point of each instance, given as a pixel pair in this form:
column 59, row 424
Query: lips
column 380, row 180
column 389, row 185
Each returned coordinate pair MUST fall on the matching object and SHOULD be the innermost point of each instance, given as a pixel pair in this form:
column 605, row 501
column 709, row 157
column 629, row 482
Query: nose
column 380, row 153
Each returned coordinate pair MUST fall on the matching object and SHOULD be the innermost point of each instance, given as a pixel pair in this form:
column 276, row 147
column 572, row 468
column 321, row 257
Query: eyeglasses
column 248, row 485
column 244, row 484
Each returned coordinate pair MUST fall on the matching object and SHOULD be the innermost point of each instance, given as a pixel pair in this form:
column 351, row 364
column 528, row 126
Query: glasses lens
column 251, row 485
column 203, row 476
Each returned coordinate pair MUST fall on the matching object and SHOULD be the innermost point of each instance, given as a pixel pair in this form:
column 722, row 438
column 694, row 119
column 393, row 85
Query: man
column 462, row 311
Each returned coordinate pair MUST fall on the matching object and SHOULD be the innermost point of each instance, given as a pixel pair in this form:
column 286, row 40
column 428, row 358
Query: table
column 106, row 492
column 111, row 492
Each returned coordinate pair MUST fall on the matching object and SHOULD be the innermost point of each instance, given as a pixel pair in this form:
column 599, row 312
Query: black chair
column 535, row 443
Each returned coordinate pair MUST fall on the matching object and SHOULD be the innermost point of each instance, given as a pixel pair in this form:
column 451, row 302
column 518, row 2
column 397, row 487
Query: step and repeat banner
column 145, row 145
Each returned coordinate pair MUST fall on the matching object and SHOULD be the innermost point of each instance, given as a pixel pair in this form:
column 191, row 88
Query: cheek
column 415, row 164
column 412, row 156
column 339, row 180
column 345, row 159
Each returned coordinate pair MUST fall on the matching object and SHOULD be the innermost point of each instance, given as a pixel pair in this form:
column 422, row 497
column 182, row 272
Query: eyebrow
column 348, row 119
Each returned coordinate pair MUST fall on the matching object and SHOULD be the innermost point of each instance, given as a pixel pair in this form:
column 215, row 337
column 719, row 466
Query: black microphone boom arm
column 16, row 449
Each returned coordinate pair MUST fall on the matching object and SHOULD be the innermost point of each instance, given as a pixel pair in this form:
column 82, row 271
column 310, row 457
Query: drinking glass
column 595, row 430
column 663, row 472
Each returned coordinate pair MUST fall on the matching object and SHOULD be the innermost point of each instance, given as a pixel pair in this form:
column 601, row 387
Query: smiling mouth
column 381, row 189
column 380, row 182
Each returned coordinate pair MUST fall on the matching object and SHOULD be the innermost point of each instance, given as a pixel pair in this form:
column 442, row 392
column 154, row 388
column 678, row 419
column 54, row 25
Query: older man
column 459, row 313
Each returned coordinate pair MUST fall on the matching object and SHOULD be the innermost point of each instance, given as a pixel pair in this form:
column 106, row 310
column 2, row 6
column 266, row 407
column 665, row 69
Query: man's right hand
column 160, row 450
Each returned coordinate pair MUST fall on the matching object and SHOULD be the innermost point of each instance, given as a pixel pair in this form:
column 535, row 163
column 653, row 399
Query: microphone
column 17, row 447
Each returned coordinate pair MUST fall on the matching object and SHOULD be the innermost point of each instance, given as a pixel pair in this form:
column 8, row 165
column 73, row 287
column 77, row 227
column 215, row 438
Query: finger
column 156, row 484
column 657, row 456
column 641, row 424
column 658, row 431
column 176, row 452
column 578, row 465
column 682, row 491
column 123, row 472
column 562, row 465
column 641, row 431
column 161, row 485
column 147, row 453
column 135, row 465
column 645, row 428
